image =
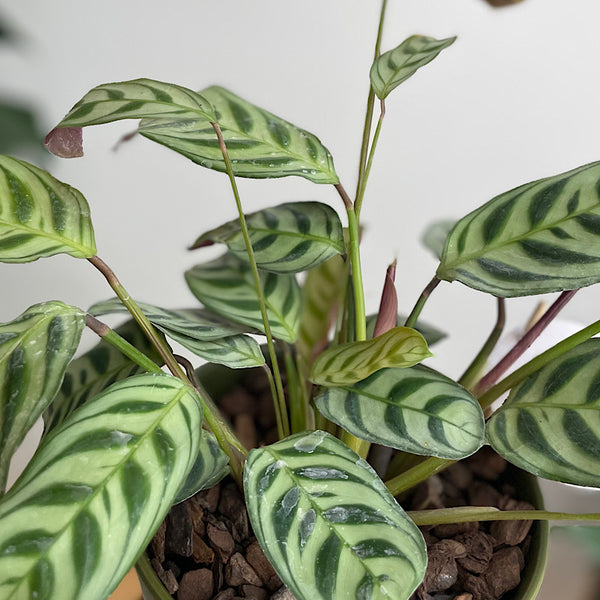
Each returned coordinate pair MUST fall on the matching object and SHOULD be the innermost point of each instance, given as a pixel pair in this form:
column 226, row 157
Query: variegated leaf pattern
column 287, row 238
column 225, row 286
column 397, row 65
column 96, row 370
column 40, row 216
column 540, row 237
column 97, row 489
column 211, row 465
column 35, row 350
column 205, row 334
column 137, row 99
column 416, row 410
column 354, row 361
column 550, row 424
column 431, row 334
column 328, row 524
column 259, row 143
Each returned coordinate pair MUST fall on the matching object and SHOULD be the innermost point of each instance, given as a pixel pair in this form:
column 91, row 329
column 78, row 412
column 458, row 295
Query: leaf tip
column 65, row 142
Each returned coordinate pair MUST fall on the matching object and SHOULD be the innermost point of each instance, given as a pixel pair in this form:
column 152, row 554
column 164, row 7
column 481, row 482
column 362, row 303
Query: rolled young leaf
column 353, row 361
column 259, row 143
column 540, row 237
column 416, row 410
column 225, row 286
column 287, row 238
column 94, row 371
column 40, row 216
column 97, row 489
column 397, row 65
column 550, row 424
column 35, row 350
column 205, row 334
column 328, row 524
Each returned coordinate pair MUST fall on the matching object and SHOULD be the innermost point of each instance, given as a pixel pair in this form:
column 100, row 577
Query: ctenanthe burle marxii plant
column 129, row 430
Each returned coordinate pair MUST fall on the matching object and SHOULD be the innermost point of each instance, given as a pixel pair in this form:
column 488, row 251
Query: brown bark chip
column 227, row 594
column 209, row 499
column 283, row 593
column 201, row 553
column 196, row 513
column 487, row 464
column 196, row 585
column 221, row 540
column 479, row 550
column 158, row 542
column 167, row 577
column 178, row 538
column 483, row 494
column 504, row 573
column 238, row 572
column 253, row 592
column 450, row 530
column 442, row 571
column 511, row 533
column 256, row 557
column 232, row 506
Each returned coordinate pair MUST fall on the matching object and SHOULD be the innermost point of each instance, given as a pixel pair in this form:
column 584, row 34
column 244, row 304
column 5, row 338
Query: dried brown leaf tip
column 388, row 307
column 65, row 142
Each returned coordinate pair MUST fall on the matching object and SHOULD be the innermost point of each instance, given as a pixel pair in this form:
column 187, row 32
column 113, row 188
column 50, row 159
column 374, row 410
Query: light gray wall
column 514, row 99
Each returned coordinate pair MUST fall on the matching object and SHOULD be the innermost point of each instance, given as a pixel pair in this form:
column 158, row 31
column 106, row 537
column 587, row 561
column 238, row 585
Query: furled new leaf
column 540, row 237
column 210, row 467
column 397, row 65
column 328, row 524
column 416, row 410
column 550, row 424
column 287, row 238
column 225, row 286
column 431, row 334
column 97, row 489
column 40, row 216
column 259, row 143
column 351, row 362
column 35, row 350
column 96, row 370
column 205, row 334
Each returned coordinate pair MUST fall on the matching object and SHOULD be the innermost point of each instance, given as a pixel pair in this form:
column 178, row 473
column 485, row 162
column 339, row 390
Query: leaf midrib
column 84, row 504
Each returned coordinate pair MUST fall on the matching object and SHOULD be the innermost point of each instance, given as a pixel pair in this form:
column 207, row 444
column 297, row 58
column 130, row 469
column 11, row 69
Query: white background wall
column 515, row 99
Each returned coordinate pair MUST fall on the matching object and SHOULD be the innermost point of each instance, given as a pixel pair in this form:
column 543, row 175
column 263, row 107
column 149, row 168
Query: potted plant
column 124, row 440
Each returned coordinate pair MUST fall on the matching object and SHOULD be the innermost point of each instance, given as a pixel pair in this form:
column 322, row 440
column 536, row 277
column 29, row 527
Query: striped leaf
column 205, row 334
column 94, row 371
column 351, row 362
column 540, row 237
column 35, row 350
column 550, row 424
column 259, row 143
column 416, row 410
column 287, row 238
column 431, row 334
column 397, row 65
column 40, row 216
column 97, row 489
column 225, row 286
column 210, row 467
column 137, row 99
column 328, row 524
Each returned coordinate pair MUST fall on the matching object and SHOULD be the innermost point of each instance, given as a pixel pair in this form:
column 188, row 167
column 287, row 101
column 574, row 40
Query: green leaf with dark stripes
column 211, row 465
column 96, row 370
column 35, row 350
column 416, row 410
column 203, row 333
column 431, row 334
column 550, row 424
column 225, row 286
column 435, row 236
column 397, row 65
column 287, row 238
column 540, row 237
column 259, row 143
column 328, row 524
column 137, row 99
column 40, row 216
column 354, row 361
column 97, row 489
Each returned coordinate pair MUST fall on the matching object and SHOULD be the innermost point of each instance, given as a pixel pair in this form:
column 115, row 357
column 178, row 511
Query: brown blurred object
column 129, row 588
column 502, row 2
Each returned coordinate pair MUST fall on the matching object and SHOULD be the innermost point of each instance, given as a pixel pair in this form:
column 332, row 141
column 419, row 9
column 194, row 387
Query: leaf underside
column 550, row 424
column 40, row 216
column 328, row 524
column 416, row 410
column 540, row 237
column 96, row 490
